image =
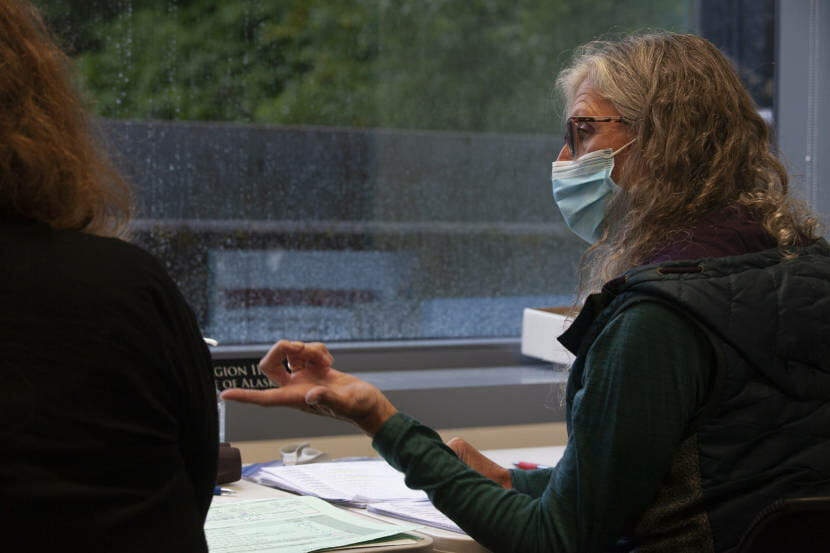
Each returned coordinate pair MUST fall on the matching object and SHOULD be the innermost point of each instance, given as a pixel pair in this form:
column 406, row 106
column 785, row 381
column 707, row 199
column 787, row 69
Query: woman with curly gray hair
column 700, row 392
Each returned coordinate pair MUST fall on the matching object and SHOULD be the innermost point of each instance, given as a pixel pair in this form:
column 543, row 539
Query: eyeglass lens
column 570, row 138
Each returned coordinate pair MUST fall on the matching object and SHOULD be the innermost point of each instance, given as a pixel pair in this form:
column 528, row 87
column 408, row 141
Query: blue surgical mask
column 582, row 189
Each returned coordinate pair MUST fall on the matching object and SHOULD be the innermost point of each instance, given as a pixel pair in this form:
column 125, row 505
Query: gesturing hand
column 314, row 386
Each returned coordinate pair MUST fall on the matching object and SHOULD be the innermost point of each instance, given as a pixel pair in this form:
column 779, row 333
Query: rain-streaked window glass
column 346, row 170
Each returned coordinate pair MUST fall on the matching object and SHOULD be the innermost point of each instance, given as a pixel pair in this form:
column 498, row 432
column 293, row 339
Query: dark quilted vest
column 765, row 431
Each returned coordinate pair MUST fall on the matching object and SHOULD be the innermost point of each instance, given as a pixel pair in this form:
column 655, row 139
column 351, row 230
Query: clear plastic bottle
column 220, row 408
column 220, row 403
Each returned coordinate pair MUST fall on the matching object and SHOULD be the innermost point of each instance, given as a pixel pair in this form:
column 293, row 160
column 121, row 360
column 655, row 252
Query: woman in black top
column 107, row 411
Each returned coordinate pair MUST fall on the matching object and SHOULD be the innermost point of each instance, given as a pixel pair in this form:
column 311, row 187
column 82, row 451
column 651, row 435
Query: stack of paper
column 371, row 484
column 353, row 483
column 422, row 512
column 290, row 525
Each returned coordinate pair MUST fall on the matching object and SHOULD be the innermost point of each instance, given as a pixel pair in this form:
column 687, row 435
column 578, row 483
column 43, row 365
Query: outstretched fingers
column 288, row 397
column 309, row 382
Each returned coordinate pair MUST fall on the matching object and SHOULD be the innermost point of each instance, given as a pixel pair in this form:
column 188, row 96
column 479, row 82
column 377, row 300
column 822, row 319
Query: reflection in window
column 362, row 170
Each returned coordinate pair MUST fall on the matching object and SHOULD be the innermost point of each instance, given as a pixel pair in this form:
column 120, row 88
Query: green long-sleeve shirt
column 646, row 377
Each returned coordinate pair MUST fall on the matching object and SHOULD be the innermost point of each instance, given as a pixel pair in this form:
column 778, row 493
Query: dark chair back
column 794, row 525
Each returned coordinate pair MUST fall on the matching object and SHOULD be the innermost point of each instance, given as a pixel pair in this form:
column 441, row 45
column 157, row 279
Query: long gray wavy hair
column 701, row 146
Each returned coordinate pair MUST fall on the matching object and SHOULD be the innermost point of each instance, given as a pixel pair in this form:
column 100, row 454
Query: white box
column 540, row 328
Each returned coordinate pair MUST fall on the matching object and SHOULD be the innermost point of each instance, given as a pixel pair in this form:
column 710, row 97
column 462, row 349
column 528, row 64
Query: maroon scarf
column 725, row 232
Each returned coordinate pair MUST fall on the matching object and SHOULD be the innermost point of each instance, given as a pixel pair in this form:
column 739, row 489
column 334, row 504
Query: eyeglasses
column 573, row 131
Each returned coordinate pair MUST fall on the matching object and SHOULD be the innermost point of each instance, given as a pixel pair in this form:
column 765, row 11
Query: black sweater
column 108, row 432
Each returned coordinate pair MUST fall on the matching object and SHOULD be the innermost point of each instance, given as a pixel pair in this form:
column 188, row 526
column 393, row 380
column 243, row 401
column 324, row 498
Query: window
column 744, row 30
column 803, row 85
column 340, row 171
column 379, row 170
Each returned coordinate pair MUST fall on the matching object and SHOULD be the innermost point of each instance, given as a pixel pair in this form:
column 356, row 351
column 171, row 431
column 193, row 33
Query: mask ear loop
column 604, row 154
column 623, row 147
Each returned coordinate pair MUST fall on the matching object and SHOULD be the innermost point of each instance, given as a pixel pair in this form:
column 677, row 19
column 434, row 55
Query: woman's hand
column 312, row 385
column 480, row 463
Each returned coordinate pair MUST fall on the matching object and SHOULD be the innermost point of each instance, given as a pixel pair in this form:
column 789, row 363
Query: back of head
column 701, row 145
column 51, row 168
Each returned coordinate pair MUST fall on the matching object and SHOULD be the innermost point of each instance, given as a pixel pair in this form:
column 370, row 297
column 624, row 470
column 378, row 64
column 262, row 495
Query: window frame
column 801, row 133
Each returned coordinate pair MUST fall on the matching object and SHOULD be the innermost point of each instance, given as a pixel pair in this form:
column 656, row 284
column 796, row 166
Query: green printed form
column 289, row 525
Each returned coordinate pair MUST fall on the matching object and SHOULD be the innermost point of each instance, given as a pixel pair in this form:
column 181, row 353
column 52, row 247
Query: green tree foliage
column 470, row 65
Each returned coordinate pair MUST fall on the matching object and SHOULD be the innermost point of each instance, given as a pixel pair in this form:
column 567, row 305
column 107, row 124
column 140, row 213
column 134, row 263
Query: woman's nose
column 564, row 154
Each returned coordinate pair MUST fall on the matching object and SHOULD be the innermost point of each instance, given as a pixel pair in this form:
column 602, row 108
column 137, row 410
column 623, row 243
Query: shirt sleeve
column 645, row 378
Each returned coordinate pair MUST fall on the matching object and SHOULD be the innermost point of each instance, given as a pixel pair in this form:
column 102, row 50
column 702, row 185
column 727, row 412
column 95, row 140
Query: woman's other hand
column 314, row 386
column 480, row 463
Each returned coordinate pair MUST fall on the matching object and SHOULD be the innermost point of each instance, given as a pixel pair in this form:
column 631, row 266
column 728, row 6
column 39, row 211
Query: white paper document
column 415, row 511
column 289, row 525
column 356, row 483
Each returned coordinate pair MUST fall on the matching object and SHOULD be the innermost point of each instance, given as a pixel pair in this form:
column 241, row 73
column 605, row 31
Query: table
column 442, row 541
column 541, row 455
